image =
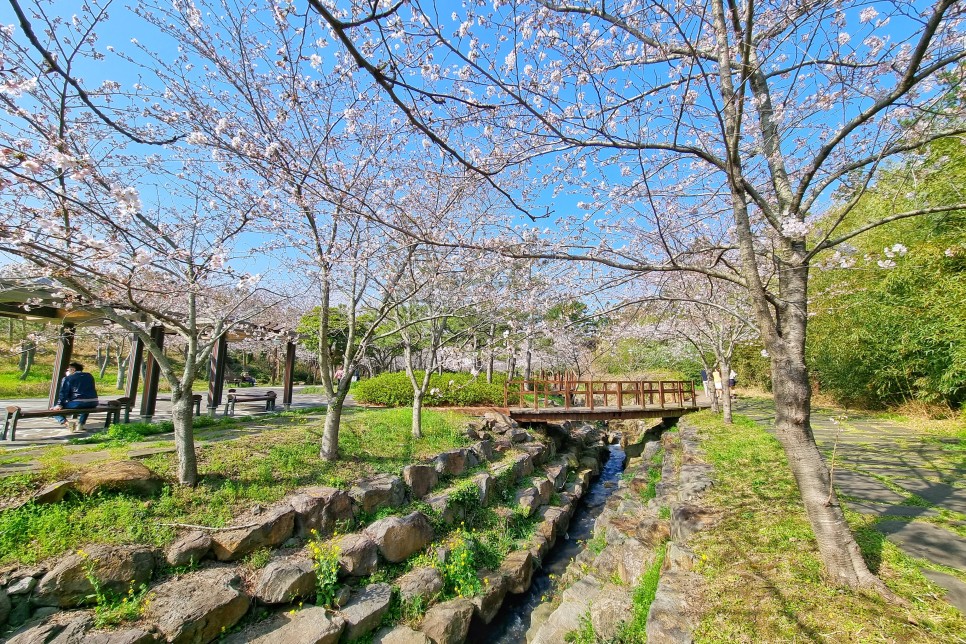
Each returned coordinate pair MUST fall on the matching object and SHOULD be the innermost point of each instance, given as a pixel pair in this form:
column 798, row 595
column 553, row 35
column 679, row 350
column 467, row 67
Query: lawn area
column 235, row 475
column 762, row 567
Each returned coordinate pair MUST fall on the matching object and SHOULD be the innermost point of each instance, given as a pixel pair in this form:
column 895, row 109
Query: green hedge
column 447, row 389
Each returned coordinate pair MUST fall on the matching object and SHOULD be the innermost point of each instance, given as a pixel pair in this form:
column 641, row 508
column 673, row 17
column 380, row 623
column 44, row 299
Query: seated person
column 248, row 379
column 77, row 391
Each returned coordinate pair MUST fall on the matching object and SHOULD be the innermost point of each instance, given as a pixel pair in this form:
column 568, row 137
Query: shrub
column 446, row 389
column 325, row 559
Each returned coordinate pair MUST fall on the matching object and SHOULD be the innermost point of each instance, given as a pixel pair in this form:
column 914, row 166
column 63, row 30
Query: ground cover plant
column 259, row 468
column 762, row 566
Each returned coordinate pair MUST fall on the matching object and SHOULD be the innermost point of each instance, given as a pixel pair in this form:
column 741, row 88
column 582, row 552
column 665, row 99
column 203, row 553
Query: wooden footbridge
column 564, row 399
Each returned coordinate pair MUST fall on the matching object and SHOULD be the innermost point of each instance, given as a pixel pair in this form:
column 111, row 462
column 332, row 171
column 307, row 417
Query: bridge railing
column 593, row 394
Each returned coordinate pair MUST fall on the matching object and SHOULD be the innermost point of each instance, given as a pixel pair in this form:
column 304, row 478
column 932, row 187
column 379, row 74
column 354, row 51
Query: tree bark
column 417, row 414
column 725, row 366
column 183, row 419
column 330, row 432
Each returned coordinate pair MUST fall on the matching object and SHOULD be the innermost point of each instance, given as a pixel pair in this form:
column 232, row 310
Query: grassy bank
column 762, row 567
column 236, row 474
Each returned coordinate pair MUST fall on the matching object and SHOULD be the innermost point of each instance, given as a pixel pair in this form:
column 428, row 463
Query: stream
column 511, row 623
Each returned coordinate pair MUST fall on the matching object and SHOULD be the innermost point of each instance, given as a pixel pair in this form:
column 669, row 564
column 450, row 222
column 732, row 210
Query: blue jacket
column 77, row 386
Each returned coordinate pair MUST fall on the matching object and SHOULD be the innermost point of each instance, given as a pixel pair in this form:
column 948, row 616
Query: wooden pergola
column 41, row 300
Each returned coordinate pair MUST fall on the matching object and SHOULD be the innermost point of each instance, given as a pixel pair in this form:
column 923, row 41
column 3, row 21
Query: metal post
column 134, row 369
column 152, row 376
column 289, row 375
column 65, row 347
column 216, row 373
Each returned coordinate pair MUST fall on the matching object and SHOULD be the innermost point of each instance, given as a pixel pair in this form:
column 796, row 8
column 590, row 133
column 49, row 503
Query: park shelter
column 43, row 300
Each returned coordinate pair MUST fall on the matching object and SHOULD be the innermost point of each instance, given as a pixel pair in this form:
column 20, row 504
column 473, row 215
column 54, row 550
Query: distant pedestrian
column 717, row 383
column 339, row 373
column 704, row 383
column 77, row 391
column 732, row 381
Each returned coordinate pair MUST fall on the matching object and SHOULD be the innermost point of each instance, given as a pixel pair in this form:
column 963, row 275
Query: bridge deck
column 626, row 412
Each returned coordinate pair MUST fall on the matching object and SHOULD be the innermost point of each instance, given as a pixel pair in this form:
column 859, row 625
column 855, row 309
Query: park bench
column 195, row 402
column 233, row 397
column 112, row 410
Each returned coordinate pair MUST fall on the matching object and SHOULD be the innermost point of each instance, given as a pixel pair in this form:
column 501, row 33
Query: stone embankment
column 650, row 516
column 199, row 589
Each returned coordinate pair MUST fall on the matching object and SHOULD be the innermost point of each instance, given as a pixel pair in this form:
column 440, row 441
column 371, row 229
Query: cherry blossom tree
column 688, row 131
column 111, row 207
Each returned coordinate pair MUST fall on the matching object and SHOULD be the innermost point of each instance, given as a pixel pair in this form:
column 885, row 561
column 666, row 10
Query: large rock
column 399, row 537
column 310, row 625
column 383, row 491
column 575, row 603
column 64, row 628
column 487, row 485
column 266, row 530
column 488, row 602
column 449, row 622
column 522, row 466
column 53, row 493
column 613, row 605
column 687, row 519
column 498, row 421
column 673, row 615
column 528, row 499
column 421, row 479
column 364, row 611
column 4, row 606
column 319, row 511
column 452, row 463
column 554, row 523
column 545, row 490
column 483, row 450
column 117, row 569
column 358, row 555
column 197, row 607
column 285, row 580
column 424, row 582
column 189, row 549
column 557, row 475
column 125, row 636
column 537, row 451
column 129, row 477
column 449, row 511
column 400, row 635
column 627, row 561
column 517, row 567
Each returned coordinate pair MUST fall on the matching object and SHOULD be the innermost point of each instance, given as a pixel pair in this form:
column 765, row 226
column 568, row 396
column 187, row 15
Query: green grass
column 634, row 631
column 235, row 474
column 761, row 563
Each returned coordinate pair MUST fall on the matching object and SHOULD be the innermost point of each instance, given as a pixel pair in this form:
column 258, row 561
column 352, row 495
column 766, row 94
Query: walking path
column 912, row 483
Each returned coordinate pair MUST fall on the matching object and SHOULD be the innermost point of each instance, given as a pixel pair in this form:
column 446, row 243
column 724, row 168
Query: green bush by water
column 446, row 389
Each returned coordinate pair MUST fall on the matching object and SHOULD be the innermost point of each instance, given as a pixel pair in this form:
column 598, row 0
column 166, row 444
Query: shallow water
column 511, row 623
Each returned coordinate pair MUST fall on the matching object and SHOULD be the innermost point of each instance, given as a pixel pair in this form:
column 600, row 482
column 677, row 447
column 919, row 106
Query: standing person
column 717, row 382
column 77, row 391
column 704, row 383
column 732, row 381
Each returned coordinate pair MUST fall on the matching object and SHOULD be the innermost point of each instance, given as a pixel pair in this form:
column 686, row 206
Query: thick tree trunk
column 417, row 414
column 837, row 546
column 121, row 372
column 104, row 361
column 184, row 440
column 330, row 432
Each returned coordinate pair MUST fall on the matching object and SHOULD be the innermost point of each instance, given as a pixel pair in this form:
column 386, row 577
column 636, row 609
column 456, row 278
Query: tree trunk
column 417, row 414
column 106, row 358
column 184, row 441
column 491, row 354
column 121, row 371
column 837, row 547
column 27, row 359
column 330, row 433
